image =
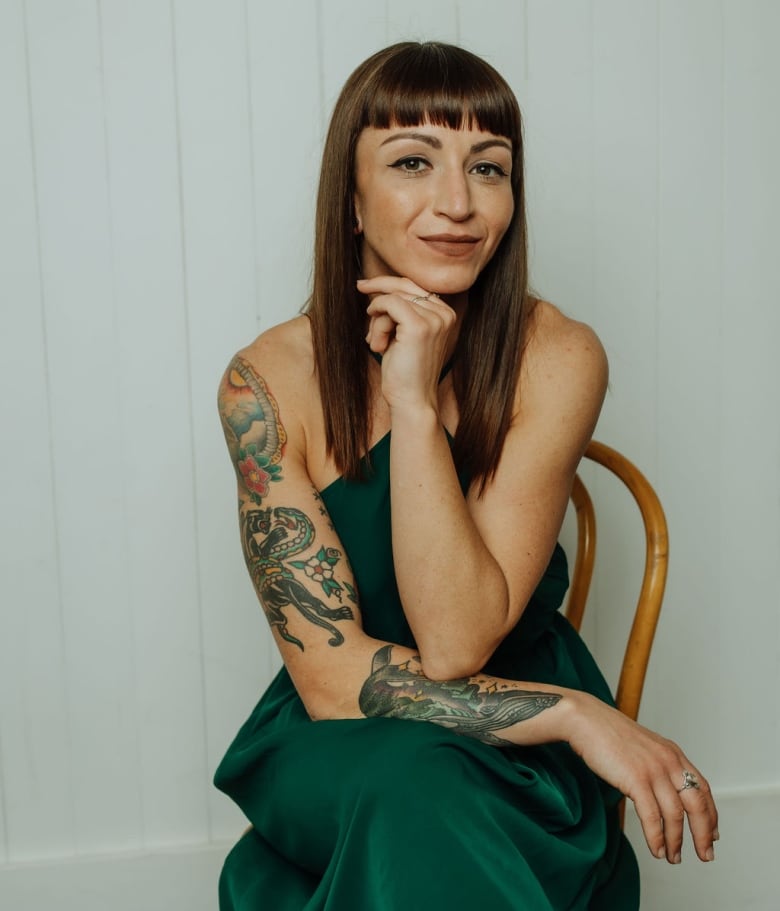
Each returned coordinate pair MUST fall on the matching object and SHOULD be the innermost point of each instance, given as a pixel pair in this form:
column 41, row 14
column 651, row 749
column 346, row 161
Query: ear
column 357, row 221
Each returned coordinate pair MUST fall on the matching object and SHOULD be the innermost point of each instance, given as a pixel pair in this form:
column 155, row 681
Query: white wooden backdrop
column 157, row 172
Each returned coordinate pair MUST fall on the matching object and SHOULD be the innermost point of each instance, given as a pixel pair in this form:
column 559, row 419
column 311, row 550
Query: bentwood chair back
column 640, row 640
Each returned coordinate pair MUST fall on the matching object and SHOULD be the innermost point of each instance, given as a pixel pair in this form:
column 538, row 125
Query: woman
column 404, row 454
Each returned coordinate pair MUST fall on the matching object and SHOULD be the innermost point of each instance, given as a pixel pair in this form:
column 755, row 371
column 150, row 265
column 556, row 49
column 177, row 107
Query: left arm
column 466, row 568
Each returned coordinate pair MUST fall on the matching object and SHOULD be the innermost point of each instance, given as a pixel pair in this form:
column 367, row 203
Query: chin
column 444, row 282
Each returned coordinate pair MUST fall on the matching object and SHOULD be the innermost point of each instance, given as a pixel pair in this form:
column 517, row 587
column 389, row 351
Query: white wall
column 157, row 173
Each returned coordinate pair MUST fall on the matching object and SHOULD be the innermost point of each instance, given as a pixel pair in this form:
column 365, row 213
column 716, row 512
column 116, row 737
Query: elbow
column 454, row 665
column 447, row 659
column 323, row 704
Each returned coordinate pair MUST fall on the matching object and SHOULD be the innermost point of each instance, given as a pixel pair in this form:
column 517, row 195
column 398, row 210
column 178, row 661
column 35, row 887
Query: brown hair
column 404, row 85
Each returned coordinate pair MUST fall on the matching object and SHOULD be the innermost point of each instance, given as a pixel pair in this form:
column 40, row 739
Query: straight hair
column 405, row 85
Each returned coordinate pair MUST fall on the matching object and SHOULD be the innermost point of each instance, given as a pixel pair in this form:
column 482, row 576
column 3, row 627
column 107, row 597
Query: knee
column 417, row 766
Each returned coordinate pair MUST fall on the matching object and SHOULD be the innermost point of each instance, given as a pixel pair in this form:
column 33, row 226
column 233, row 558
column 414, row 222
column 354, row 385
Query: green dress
column 384, row 814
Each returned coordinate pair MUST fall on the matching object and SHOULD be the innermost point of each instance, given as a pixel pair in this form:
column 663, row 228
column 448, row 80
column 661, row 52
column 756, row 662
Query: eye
column 489, row 170
column 411, row 164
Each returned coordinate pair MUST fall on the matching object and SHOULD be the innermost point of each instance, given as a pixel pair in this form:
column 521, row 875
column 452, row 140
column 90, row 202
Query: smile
column 451, row 244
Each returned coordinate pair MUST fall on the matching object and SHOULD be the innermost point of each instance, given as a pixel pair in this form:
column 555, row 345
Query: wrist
column 572, row 722
column 416, row 417
column 564, row 720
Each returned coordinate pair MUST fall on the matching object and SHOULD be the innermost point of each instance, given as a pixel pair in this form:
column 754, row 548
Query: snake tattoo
column 270, row 537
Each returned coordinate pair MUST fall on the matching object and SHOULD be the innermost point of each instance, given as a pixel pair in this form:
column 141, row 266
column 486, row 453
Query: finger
column 651, row 820
column 673, row 814
column 428, row 315
column 389, row 284
column 381, row 329
column 702, row 817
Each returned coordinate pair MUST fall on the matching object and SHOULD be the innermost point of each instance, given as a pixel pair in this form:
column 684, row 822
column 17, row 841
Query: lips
column 451, row 244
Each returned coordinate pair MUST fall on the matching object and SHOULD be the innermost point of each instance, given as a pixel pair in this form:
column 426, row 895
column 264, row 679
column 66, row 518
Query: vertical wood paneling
column 37, row 813
column 153, row 364
column 749, row 422
column 287, row 132
column 625, row 215
column 86, row 420
column 690, row 368
column 213, row 110
column 558, row 126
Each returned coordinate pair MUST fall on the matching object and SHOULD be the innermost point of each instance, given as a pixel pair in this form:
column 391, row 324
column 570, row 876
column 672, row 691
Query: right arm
column 304, row 582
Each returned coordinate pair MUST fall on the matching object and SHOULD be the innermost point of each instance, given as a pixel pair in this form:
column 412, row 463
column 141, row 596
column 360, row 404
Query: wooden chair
column 640, row 640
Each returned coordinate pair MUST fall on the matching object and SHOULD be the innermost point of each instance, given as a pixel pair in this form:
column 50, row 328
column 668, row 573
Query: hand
column 413, row 330
column 649, row 769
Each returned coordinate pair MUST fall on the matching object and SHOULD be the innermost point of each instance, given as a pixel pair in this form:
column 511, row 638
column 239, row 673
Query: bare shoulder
column 282, row 353
column 563, row 381
column 560, row 343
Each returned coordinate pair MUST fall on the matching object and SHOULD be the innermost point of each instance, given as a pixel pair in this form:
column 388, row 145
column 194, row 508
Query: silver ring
column 689, row 781
column 421, row 297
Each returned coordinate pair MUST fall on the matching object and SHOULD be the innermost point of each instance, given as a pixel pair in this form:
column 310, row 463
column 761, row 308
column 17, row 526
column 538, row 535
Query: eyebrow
column 435, row 143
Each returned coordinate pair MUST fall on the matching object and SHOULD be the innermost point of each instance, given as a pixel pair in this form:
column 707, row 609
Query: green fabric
column 384, row 814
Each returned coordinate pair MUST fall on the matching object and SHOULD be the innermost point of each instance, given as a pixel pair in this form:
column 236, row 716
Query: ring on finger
column 421, row 297
column 689, row 781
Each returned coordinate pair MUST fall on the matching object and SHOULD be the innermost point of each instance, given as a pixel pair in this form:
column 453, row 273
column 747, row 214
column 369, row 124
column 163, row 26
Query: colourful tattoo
column 254, row 433
column 270, row 537
column 476, row 706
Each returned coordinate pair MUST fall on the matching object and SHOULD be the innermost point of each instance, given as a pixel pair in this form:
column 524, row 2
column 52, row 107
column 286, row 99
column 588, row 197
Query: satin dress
column 388, row 814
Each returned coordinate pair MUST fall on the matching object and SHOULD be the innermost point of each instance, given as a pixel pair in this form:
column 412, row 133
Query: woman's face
column 432, row 203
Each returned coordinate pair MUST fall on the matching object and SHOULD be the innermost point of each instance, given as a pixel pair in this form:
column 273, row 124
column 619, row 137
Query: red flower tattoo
column 254, row 477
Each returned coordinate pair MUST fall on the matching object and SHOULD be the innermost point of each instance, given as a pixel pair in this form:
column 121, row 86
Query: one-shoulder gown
column 385, row 814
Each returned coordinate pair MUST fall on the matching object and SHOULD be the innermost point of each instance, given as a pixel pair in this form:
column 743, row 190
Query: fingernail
column 661, row 854
column 715, row 835
column 677, row 858
column 710, row 854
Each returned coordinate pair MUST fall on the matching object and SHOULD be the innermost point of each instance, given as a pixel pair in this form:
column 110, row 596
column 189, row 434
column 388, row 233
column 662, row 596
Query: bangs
column 444, row 86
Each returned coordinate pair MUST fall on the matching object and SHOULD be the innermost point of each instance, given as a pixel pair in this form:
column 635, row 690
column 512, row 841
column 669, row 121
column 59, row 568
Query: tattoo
column 321, row 506
column 476, row 706
column 269, row 538
column 254, row 433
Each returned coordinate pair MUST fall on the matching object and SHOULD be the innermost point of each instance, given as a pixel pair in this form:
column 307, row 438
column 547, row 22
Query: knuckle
column 676, row 816
column 669, row 754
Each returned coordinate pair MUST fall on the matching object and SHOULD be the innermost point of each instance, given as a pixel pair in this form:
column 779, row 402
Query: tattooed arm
column 307, row 591
column 305, row 585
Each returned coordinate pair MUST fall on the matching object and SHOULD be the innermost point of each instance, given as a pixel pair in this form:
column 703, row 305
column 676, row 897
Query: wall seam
column 121, row 412
column 50, row 428
column 657, row 264
column 721, row 308
column 252, row 173
column 191, row 415
column 320, row 65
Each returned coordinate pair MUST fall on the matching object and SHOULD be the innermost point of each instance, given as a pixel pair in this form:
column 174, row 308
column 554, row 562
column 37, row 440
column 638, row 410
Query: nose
column 453, row 195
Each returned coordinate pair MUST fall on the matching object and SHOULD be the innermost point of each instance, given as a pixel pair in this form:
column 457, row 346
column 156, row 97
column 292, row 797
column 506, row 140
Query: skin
column 466, row 567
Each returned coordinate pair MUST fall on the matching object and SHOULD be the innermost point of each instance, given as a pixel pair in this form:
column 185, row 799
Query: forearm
column 490, row 709
column 453, row 591
column 386, row 680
